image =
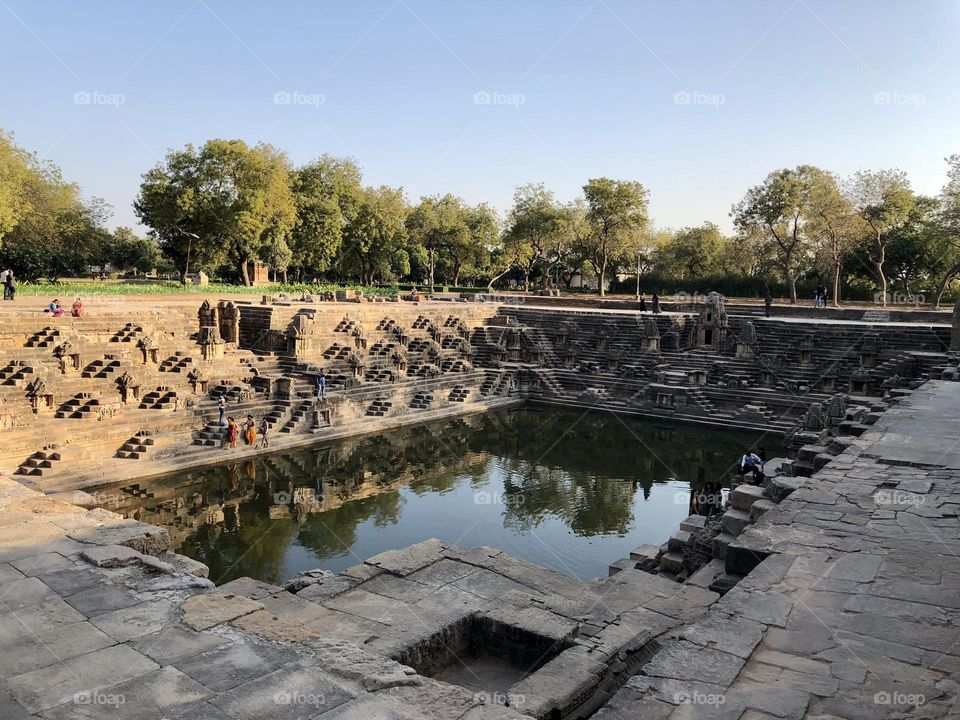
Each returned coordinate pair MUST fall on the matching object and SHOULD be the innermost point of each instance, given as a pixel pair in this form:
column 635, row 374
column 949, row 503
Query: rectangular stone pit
column 485, row 654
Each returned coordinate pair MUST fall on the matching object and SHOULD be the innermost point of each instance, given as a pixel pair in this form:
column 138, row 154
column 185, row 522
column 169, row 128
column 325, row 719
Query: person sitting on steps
column 752, row 463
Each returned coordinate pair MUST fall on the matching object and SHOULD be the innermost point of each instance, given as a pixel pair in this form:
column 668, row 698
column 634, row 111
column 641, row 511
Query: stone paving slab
column 853, row 610
column 41, row 689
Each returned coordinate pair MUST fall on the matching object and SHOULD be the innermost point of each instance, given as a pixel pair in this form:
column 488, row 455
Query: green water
column 570, row 490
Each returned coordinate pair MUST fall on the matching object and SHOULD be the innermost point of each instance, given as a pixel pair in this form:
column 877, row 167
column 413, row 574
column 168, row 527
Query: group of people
column 820, row 297
column 654, row 304
column 76, row 310
column 9, row 283
column 249, row 430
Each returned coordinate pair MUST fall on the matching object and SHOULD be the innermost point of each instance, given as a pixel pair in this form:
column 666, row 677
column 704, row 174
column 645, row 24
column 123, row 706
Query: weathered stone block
column 743, row 496
column 678, row 541
column 201, row 612
column 734, row 521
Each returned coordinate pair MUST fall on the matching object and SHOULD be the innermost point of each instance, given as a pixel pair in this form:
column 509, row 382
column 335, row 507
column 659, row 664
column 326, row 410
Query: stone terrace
column 99, row 620
column 854, row 608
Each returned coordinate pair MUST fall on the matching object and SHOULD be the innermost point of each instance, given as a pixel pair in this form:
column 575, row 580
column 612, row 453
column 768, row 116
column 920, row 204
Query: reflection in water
column 568, row 490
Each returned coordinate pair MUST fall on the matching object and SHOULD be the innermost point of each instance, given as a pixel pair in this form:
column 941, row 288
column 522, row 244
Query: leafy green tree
column 327, row 193
column 532, row 225
column 16, row 167
column 883, row 201
column 776, row 211
column 913, row 253
column 132, row 252
column 947, row 238
column 690, row 252
column 374, row 238
column 616, row 218
column 438, row 224
column 830, row 222
column 224, row 201
column 473, row 252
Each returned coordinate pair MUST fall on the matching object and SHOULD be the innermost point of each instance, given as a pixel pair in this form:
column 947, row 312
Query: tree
column 374, row 239
column 533, row 223
column 132, row 252
column 327, row 193
column 831, row 222
column 776, row 209
column 16, row 167
column 948, row 224
column 616, row 217
column 473, row 252
column 883, row 200
column 437, row 224
column 690, row 252
column 225, row 201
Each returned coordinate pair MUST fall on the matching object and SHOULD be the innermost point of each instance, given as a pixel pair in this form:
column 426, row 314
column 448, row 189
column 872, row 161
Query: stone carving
column 128, row 387
column 148, row 347
column 229, row 321
column 814, row 419
column 711, row 325
column 746, row 345
column 36, row 388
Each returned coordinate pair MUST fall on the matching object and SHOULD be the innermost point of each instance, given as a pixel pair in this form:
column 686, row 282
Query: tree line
column 220, row 206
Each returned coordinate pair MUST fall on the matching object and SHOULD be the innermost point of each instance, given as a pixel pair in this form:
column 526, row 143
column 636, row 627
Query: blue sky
column 697, row 100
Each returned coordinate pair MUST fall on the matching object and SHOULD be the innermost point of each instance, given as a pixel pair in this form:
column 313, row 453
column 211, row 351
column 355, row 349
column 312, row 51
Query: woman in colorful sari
column 233, row 431
column 251, row 431
column 78, row 310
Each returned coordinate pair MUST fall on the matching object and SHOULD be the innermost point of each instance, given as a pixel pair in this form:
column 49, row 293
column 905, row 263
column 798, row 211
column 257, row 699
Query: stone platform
column 854, row 611
column 99, row 620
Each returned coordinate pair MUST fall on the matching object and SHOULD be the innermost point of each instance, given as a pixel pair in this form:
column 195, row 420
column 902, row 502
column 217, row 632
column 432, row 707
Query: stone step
column 671, row 562
column 743, row 496
column 734, row 521
column 678, row 541
column 720, row 544
column 693, row 523
column 760, row 508
column 703, row 577
column 623, row 564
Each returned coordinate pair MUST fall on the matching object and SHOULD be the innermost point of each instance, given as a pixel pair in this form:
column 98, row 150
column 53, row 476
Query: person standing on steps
column 9, row 285
column 222, row 407
column 655, row 304
column 263, row 434
column 250, row 431
column 643, row 304
column 768, row 303
column 233, row 432
column 321, row 385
